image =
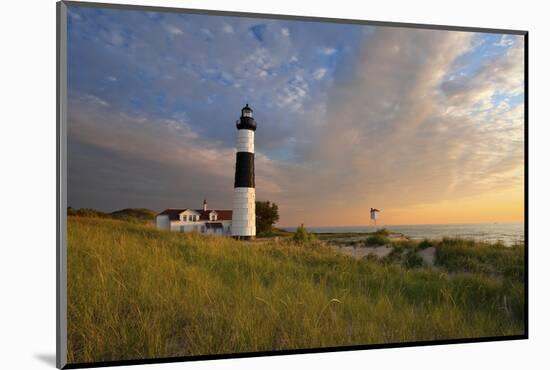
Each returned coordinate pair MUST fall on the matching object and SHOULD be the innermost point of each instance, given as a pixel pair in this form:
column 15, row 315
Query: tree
column 267, row 214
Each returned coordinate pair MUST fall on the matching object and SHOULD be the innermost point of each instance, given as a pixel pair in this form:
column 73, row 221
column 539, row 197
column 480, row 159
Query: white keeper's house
column 205, row 221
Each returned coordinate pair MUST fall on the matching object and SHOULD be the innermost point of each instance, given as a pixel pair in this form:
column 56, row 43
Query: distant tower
column 243, row 225
column 204, row 205
column 374, row 214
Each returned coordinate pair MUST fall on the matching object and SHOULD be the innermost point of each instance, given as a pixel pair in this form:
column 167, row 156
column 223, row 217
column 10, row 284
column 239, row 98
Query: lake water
column 506, row 233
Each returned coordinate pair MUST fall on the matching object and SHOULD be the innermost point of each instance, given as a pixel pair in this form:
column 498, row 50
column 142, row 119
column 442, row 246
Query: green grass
column 136, row 215
column 136, row 292
column 462, row 255
column 275, row 232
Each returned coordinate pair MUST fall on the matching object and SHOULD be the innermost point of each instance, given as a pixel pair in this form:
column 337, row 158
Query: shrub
column 412, row 260
column 382, row 232
column 425, row 244
column 376, row 239
column 302, row 236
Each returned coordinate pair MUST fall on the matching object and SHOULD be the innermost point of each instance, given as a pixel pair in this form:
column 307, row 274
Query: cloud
column 227, row 28
column 478, row 90
column 174, row 166
column 327, row 51
column 91, row 100
column 294, row 94
column 174, row 30
column 209, row 35
column 115, row 38
column 505, row 41
column 407, row 116
column 319, row 73
column 388, row 139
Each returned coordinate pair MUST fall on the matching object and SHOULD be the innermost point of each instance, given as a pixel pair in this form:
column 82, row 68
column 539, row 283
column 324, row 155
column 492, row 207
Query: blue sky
column 153, row 99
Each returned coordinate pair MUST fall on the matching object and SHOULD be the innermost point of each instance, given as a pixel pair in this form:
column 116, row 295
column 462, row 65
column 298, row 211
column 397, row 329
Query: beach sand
column 427, row 255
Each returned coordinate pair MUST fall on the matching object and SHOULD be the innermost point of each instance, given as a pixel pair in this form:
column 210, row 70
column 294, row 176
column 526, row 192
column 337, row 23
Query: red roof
column 223, row 214
column 174, row 213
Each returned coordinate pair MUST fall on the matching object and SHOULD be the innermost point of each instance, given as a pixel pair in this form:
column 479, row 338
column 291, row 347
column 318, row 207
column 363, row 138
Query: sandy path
column 360, row 252
column 428, row 255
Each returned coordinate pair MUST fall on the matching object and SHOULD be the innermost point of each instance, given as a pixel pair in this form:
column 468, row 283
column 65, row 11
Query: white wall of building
column 163, row 222
column 200, row 227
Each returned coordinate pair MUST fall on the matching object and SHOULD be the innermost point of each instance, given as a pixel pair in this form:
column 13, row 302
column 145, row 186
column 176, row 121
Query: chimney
column 204, row 205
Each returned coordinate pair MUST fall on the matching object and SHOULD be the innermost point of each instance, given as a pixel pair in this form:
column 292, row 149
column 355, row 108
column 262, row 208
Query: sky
column 425, row 125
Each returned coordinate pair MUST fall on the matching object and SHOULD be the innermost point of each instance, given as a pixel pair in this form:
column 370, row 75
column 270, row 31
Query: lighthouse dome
column 247, row 120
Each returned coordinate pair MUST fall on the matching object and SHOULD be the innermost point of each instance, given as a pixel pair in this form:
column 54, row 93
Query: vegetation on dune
column 275, row 232
column 127, row 214
column 303, row 236
column 382, row 232
column 412, row 259
column 379, row 237
column 463, row 255
column 142, row 214
column 136, row 292
column 425, row 243
column 375, row 240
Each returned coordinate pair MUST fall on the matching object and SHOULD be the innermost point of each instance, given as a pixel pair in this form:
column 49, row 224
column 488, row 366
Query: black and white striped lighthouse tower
column 243, row 225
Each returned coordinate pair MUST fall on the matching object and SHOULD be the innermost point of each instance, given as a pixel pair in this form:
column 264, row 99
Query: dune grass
column 135, row 292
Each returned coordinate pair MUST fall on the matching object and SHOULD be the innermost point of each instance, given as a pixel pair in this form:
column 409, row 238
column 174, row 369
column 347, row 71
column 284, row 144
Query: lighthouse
column 244, row 199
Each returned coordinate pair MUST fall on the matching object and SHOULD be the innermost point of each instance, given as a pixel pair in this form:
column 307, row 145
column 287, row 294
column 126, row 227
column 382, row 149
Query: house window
column 184, row 218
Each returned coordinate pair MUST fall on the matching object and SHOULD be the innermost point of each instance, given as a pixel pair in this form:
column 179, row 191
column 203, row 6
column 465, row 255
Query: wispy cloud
column 227, row 28
column 319, row 73
column 174, row 30
column 505, row 41
column 327, row 51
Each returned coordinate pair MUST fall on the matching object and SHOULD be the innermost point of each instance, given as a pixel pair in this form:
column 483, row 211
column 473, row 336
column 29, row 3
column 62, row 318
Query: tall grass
column 136, row 292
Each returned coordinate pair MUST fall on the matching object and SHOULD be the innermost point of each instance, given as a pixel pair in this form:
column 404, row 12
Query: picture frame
column 63, row 104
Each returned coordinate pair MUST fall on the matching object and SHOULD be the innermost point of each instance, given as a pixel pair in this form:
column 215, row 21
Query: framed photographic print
column 236, row 185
